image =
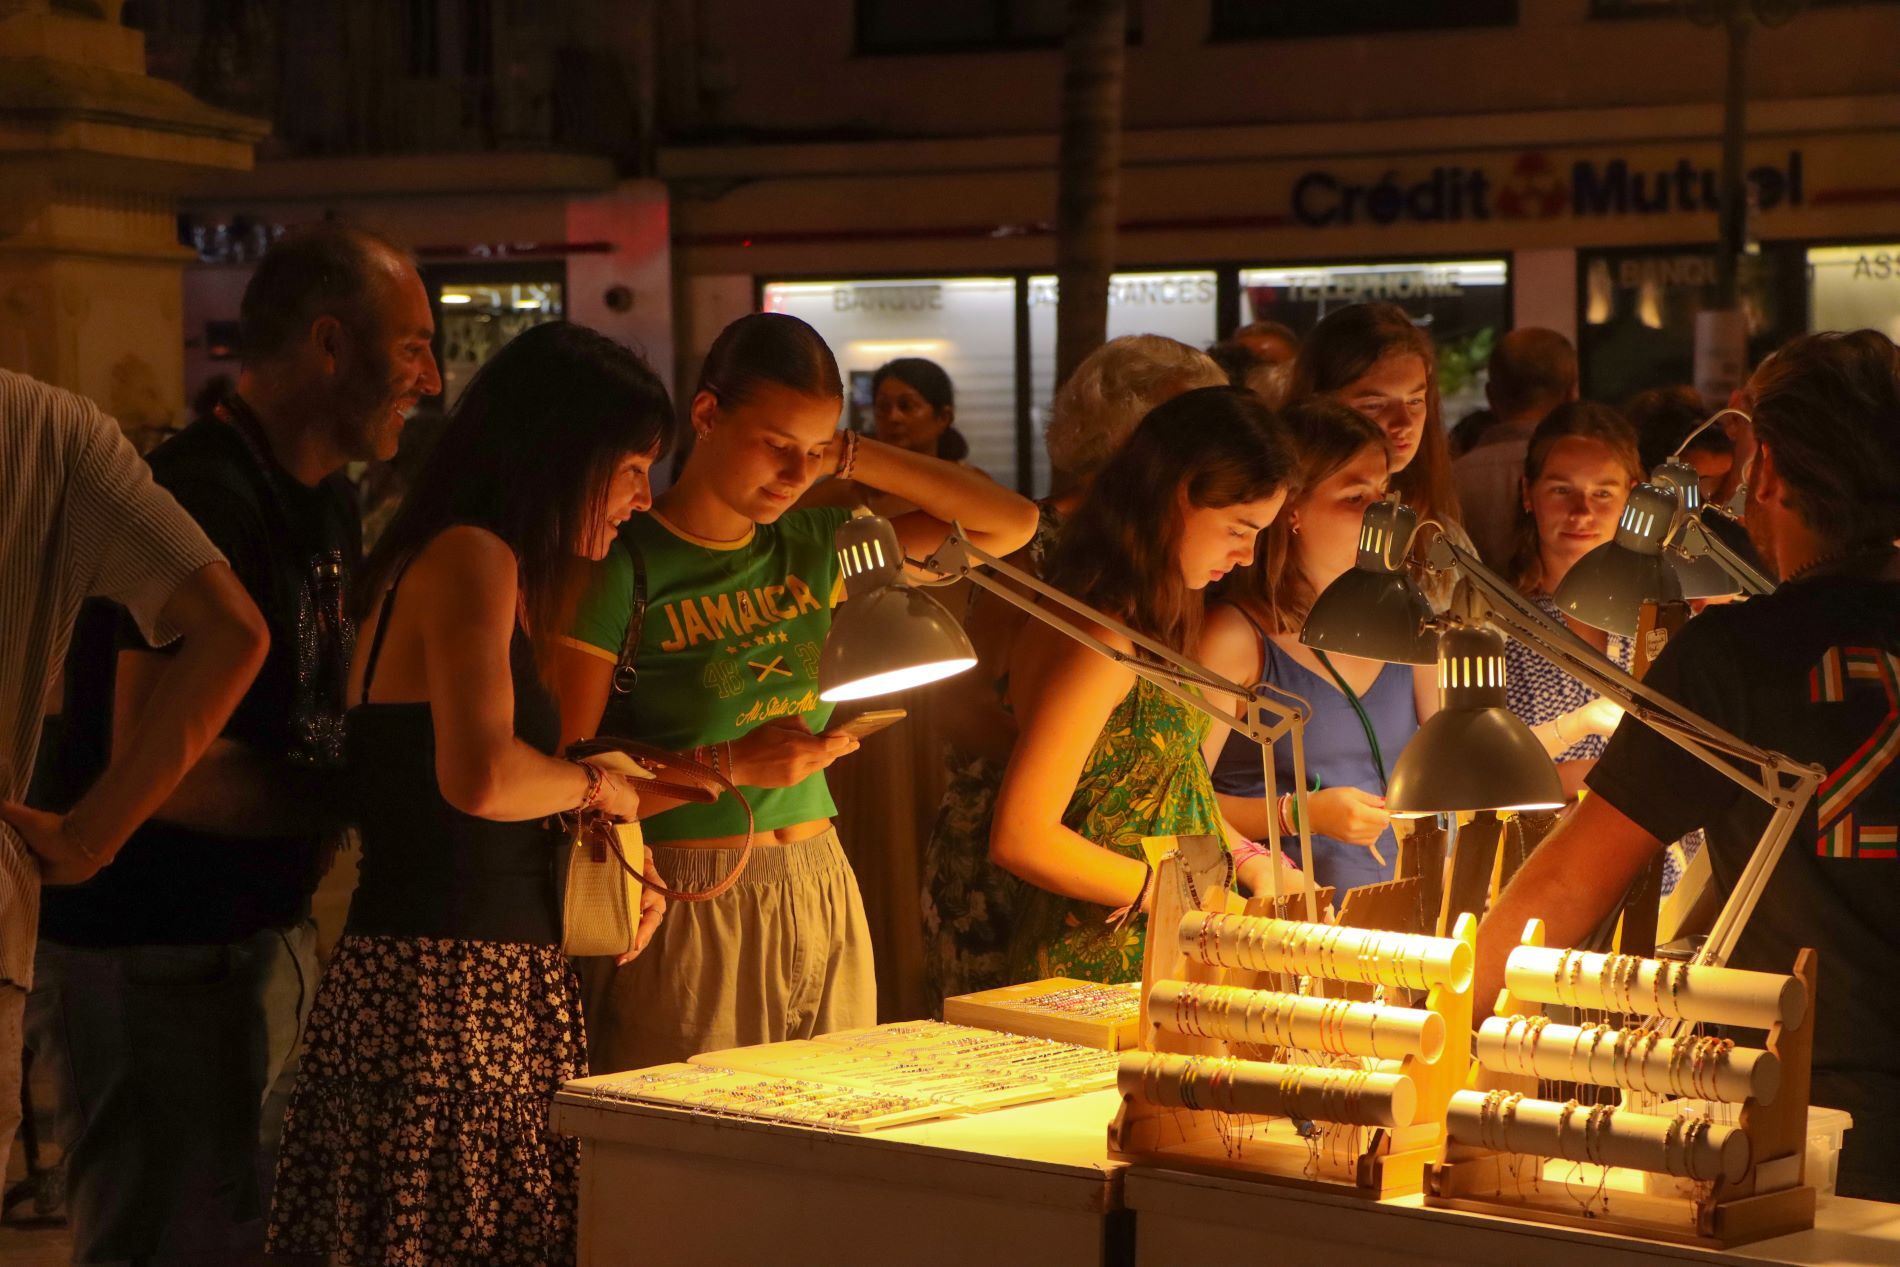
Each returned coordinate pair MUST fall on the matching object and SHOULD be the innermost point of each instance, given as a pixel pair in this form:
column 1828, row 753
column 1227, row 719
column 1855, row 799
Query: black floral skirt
column 418, row 1132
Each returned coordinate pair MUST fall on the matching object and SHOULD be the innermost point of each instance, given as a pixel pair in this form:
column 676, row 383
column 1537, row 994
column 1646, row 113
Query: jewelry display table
column 663, row 1185
column 1214, row 1221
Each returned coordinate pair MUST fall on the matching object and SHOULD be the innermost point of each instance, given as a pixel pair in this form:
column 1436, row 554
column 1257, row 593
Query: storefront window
column 1854, row 288
column 476, row 317
column 1461, row 303
column 965, row 324
column 1180, row 305
column 1636, row 327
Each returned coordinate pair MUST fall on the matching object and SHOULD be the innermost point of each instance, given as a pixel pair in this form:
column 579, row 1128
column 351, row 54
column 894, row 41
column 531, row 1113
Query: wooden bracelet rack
column 1717, row 1132
column 1268, row 1047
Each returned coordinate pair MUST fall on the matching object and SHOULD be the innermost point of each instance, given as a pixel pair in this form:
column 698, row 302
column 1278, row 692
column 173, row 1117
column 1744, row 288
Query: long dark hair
column 1273, row 589
column 527, row 454
column 1219, row 445
column 1350, row 341
column 1586, row 420
column 929, row 380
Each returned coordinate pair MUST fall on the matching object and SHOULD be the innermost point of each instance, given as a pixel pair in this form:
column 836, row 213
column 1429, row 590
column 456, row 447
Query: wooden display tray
column 1387, row 1162
column 1732, row 1213
column 1005, row 1009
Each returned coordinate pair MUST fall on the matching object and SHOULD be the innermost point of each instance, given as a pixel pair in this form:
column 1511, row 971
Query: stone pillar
column 96, row 154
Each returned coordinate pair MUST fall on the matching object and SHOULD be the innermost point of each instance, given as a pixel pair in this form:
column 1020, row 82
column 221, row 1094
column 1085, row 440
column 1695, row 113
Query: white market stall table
column 1219, row 1221
column 666, row 1186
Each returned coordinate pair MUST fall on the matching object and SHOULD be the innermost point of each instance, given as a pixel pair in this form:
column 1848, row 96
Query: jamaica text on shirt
column 705, row 618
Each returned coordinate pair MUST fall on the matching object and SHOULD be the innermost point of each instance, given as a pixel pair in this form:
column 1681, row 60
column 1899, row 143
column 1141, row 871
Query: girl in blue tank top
column 1363, row 712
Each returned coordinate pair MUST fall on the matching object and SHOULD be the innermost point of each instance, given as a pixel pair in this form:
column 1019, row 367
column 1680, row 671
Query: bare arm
column 582, row 682
column 459, row 599
column 775, row 754
column 1065, row 694
column 995, row 519
column 233, row 790
column 185, row 705
column 1571, row 882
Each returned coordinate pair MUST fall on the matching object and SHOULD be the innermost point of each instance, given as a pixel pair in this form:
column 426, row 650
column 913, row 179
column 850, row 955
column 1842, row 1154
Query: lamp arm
column 1784, row 783
column 1580, row 660
column 959, row 557
column 1693, row 538
column 1267, row 715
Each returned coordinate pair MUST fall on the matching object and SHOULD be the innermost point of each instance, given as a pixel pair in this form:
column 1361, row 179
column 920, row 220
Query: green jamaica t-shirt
column 731, row 640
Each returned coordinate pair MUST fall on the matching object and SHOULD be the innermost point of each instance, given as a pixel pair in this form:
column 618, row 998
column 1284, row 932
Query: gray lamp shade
column 1699, row 576
column 1607, row 587
column 1374, row 609
column 887, row 636
column 1473, row 753
column 890, row 640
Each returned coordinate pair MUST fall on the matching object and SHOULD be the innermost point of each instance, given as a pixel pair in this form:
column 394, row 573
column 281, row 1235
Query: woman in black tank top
column 448, row 1015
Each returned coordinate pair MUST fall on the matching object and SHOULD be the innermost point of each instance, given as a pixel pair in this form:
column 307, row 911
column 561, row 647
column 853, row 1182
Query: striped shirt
column 79, row 517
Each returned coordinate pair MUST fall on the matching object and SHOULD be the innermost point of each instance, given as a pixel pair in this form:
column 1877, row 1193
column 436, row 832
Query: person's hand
column 63, row 857
column 785, row 753
column 619, row 794
column 1599, row 717
column 652, row 911
column 1348, row 814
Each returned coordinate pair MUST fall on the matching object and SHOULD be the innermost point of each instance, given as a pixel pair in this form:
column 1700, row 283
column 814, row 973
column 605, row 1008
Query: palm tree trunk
column 1088, row 176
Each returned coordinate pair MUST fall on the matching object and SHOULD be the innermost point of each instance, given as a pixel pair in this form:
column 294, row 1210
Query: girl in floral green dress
column 1105, row 757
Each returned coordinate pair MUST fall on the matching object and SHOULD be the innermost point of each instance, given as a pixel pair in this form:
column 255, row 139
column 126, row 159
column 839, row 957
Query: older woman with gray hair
column 969, row 905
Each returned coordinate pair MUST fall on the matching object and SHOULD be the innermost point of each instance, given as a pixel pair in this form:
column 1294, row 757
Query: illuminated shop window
column 1180, row 305
column 965, row 324
column 1462, row 304
column 1855, row 288
column 476, row 318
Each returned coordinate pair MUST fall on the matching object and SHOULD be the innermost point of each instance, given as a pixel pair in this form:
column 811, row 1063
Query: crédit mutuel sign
column 1536, row 186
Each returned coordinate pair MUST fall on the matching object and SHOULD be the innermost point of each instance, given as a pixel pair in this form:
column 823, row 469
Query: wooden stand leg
column 1472, row 860
column 1637, row 935
column 1422, row 855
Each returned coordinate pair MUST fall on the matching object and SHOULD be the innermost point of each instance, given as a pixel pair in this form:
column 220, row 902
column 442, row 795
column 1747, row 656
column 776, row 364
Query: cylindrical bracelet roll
column 1365, row 955
column 1636, row 1141
column 1335, row 1026
column 1695, row 992
column 1637, row 1060
column 1227, row 1085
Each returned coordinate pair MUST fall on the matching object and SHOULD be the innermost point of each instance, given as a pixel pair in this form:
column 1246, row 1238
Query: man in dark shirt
column 173, row 986
column 1811, row 671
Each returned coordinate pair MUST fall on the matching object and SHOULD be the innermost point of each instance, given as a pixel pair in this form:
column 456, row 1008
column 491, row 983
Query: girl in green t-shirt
column 1105, row 757
column 739, row 590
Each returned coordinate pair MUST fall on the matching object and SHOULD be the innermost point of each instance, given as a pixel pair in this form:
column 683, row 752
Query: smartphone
column 868, row 723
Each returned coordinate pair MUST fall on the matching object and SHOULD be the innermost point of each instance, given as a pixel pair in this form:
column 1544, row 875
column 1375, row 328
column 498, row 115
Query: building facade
column 888, row 172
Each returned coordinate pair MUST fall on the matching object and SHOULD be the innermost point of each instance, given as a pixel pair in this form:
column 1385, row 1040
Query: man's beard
column 364, row 405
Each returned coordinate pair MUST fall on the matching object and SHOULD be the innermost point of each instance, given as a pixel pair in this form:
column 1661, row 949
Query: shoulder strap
column 1259, row 632
column 625, row 671
column 672, row 775
column 382, row 626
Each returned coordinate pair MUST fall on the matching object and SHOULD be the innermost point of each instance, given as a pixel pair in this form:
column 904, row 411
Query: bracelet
column 596, row 783
column 1141, row 894
column 848, row 460
column 1286, row 825
column 1557, row 726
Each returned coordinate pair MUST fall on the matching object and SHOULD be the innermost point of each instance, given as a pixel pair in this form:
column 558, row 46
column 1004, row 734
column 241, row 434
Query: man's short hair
column 1269, row 330
column 1828, row 406
column 1531, row 368
column 320, row 270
